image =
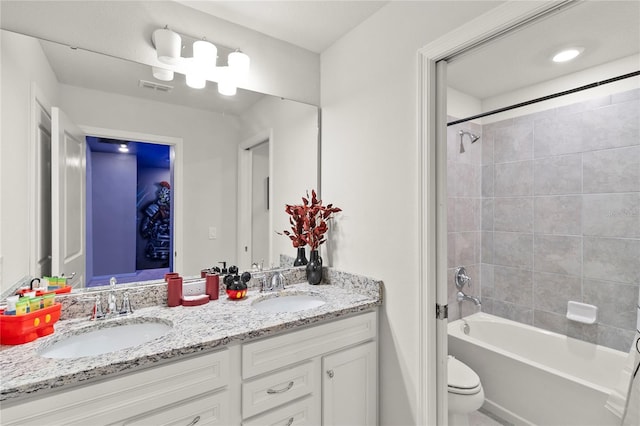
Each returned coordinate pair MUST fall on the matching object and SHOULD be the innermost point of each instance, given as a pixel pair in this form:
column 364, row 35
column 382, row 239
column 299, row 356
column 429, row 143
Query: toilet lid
column 461, row 378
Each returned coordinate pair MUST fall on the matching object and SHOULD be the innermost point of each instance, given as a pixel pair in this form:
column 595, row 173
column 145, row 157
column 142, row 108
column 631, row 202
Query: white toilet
column 465, row 393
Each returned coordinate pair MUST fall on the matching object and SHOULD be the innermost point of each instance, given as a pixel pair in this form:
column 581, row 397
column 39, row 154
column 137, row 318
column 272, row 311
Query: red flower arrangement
column 309, row 221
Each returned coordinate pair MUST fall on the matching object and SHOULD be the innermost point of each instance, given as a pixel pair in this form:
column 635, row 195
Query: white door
column 68, row 195
column 350, row 387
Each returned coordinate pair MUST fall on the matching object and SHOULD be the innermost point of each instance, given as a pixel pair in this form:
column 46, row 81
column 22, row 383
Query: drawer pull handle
column 330, row 374
column 272, row 391
column 290, row 422
column 194, row 421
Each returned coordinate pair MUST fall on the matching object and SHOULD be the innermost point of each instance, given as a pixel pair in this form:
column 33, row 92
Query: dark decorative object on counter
column 314, row 268
column 301, row 259
column 236, row 284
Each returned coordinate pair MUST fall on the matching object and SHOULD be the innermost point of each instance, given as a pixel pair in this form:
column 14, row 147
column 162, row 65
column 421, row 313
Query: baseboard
column 501, row 412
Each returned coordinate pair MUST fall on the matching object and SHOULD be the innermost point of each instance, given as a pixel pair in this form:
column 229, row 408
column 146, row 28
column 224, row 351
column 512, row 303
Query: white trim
column 37, row 100
column 178, row 193
column 245, row 172
column 431, row 364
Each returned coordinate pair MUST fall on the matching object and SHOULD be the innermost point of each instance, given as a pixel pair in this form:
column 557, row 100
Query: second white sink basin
column 112, row 338
column 288, row 303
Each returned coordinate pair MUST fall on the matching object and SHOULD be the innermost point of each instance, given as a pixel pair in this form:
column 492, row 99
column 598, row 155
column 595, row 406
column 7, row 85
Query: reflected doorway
column 260, row 203
column 129, row 210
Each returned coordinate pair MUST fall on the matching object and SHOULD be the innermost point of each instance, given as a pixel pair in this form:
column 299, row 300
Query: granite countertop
column 194, row 329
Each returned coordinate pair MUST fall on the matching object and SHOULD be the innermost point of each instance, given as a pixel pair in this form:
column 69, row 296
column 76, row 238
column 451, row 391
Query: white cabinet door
column 350, row 386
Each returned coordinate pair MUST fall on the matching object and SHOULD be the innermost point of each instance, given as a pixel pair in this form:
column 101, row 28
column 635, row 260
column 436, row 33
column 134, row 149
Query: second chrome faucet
column 98, row 313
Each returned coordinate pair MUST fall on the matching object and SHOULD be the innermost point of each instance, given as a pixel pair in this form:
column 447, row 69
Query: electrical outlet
column 213, row 233
column 194, row 288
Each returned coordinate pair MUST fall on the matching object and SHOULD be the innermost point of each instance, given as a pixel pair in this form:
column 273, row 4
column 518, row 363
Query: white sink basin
column 105, row 340
column 288, row 303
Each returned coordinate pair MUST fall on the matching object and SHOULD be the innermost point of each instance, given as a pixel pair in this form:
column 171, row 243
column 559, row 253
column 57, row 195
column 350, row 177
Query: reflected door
column 68, row 198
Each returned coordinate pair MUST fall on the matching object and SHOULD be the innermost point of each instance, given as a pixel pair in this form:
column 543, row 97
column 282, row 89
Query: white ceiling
column 313, row 25
column 607, row 30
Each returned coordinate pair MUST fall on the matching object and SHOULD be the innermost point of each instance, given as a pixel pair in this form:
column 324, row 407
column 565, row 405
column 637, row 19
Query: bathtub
column 532, row 376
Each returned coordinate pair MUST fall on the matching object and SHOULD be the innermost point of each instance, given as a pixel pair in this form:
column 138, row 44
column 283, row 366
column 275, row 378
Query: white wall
column 461, row 105
column 370, row 170
column 209, row 163
column 124, row 28
column 22, row 63
column 294, row 156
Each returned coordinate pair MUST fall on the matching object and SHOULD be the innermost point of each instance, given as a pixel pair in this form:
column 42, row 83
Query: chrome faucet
column 97, row 312
column 463, row 279
column 461, row 297
column 277, row 282
column 111, row 298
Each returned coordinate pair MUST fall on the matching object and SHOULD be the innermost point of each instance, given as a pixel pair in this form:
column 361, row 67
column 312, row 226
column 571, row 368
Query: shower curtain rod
column 546, row 98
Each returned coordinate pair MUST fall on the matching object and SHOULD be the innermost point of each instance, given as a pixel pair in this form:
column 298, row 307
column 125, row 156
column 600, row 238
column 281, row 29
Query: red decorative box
column 19, row 329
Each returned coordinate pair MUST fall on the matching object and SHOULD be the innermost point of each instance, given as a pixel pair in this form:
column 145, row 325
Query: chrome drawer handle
column 194, row 421
column 272, row 391
column 290, row 422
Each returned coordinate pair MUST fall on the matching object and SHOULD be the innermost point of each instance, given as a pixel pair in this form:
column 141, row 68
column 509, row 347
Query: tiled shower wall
column 559, row 217
column 464, row 173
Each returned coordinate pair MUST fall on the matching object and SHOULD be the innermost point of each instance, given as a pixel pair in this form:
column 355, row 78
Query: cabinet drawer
column 279, row 351
column 210, row 409
column 303, row 412
column 278, row 388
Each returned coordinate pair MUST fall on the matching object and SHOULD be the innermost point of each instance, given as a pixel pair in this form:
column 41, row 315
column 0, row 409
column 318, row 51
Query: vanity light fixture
column 566, row 55
column 123, row 147
column 202, row 66
column 168, row 45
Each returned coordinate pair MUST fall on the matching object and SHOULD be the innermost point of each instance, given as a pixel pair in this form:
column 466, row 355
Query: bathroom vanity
column 223, row 363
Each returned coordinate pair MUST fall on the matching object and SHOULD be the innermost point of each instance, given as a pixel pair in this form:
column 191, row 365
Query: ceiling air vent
column 155, row 86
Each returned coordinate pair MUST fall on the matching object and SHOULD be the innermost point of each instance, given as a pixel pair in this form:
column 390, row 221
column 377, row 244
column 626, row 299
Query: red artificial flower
column 309, row 221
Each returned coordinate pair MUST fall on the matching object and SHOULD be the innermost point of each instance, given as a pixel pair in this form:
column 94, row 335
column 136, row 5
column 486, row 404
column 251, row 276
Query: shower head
column 472, row 136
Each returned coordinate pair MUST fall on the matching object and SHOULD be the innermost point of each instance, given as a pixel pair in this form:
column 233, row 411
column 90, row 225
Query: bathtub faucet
column 461, row 297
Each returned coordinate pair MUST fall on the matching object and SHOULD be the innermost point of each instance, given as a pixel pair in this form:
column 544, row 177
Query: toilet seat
column 462, row 380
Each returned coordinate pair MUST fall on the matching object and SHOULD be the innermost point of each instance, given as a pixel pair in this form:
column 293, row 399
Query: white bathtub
column 533, row 376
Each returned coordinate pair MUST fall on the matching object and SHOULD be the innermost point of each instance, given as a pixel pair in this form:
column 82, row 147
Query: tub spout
column 461, row 297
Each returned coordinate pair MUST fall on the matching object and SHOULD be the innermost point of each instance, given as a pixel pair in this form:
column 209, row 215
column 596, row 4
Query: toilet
column 464, row 391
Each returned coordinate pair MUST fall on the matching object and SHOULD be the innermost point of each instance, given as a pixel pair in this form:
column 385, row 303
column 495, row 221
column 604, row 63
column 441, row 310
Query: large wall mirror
column 232, row 163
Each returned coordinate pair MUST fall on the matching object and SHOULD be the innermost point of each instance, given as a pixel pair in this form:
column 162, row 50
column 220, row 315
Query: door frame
column 245, row 173
column 177, row 195
column 432, row 394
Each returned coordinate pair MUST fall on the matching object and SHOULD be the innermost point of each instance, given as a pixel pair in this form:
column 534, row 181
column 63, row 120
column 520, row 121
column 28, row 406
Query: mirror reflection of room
column 110, row 99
